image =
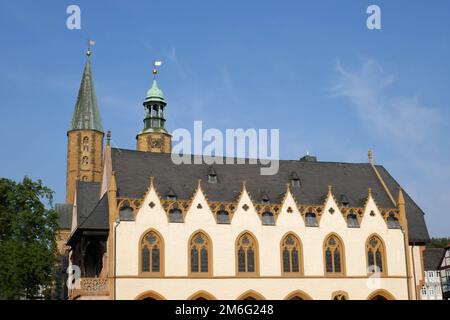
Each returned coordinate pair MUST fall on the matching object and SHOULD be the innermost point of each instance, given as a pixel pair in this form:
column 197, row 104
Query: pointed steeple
column 86, row 115
column 154, row 136
column 85, row 136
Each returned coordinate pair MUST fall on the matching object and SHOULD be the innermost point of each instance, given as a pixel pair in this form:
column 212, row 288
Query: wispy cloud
column 176, row 62
column 399, row 118
column 229, row 86
column 420, row 155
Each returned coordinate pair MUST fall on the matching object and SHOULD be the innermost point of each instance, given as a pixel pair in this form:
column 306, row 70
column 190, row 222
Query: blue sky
column 312, row 69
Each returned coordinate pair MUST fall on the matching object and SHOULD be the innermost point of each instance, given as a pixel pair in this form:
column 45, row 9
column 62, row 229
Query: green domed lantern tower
column 154, row 137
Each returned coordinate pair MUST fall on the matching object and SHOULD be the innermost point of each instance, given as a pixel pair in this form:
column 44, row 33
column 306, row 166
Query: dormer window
column 176, row 216
column 392, row 222
column 212, row 176
column 295, row 180
column 268, row 219
column 265, row 198
column 126, row 212
column 311, row 219
column 344, row 200
column 352, row 220
column 171, row 195
column 223, row 217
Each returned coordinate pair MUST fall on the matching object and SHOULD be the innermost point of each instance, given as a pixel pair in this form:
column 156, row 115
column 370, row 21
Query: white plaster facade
column 270, row 284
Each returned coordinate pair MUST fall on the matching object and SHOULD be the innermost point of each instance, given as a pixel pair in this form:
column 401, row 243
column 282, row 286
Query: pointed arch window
column 375, row 255
column 291, row 255
column 339, row 295
column 151, row 253
column 200, row 255
column 334, row 256
column 247, row 255
column 85, row 160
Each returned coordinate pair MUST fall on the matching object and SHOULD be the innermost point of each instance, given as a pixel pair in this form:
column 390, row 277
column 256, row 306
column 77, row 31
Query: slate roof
column 98, row 218
column 88, row 194
column 432, row 258
column 133, row 169
column 64, row 211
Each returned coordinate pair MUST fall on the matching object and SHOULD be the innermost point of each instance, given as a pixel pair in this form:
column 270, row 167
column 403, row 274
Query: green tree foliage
column 28, row 227
column 438, row 243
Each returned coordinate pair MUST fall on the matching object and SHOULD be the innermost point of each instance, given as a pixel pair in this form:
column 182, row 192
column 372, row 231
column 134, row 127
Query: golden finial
column 370, row 156
column 156, row 63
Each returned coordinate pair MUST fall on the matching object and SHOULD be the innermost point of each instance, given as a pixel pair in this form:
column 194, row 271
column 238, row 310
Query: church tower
column 154, row 137
column 85, row 137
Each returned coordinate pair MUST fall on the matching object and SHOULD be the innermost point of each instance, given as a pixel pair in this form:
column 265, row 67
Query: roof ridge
column 258, row 159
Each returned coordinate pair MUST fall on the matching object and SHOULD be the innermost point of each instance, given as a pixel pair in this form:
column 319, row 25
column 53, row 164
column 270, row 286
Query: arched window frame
column 381, row 293
column 85, row 144
column 150, row 273
column 298, row 295
column 255, row 255
column 339, row 295
column 85, row 160
column 300, row 255
column 382, row 248
column 340, row 245
column 209, row 248
column 251, row 295
column 201, row 295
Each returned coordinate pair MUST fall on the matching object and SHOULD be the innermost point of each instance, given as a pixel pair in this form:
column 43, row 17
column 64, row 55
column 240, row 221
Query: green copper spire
column 155, row 93
column 86, row 115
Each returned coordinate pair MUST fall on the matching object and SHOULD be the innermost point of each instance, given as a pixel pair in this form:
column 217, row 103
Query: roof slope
column 414, row 213
column 87, row 198
column 432, row 258
column 98, row 218
column 86, row 114
column 133, row 169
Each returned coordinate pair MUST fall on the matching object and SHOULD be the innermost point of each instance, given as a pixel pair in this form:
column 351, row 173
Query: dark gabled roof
column 88, row 194
column 92, row 213
column 64, row 211
column 414, row 214
column 98, row 218
column 133, row 169
column 432, row 258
